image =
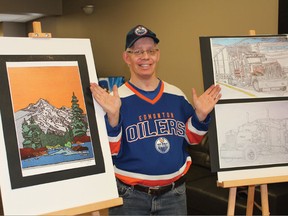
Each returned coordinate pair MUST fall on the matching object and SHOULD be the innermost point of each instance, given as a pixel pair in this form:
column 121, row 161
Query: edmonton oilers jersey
column 148, row 145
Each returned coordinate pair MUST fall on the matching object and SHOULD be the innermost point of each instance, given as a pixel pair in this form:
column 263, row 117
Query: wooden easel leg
column 103, row 212
column 264, row 200
column 231, row 201
column 250, row 200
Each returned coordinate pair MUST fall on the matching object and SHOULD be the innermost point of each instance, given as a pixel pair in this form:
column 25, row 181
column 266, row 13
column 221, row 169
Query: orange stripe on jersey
column 115, row 147
column 152, row 183
column 193, row 137
column 145, row 98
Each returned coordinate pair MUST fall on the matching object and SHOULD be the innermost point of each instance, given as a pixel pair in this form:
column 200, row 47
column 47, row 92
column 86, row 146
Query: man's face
column 142, row 58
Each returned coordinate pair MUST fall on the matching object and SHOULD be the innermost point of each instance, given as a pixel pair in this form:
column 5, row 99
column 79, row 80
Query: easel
column 94, row 209
column 251, row 183
column 37, row 31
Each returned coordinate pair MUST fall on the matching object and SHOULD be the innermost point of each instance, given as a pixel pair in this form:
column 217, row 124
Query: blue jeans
column 139, row 203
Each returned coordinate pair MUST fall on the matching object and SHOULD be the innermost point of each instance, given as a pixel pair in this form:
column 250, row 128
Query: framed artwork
column 108, row 82
column 53, row 137
column 249, row 131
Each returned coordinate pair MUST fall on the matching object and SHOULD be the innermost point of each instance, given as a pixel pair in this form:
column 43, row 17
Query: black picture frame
column 14, row 164
column 211, row 68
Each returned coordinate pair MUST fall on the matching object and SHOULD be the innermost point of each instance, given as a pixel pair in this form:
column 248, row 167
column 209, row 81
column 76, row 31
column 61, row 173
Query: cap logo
column 140, row 30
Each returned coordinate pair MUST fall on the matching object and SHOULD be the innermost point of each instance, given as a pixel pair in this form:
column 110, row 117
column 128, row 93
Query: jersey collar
column 143, row 97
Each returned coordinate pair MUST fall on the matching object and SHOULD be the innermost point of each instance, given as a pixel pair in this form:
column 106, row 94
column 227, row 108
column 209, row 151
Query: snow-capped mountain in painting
column 49, row 118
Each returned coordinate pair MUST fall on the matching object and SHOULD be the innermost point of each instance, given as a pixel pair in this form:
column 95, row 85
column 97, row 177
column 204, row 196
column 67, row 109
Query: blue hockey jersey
column 148, row 145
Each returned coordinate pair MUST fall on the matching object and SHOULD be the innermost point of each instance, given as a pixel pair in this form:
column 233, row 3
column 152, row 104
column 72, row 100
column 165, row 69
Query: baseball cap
column 138, row 32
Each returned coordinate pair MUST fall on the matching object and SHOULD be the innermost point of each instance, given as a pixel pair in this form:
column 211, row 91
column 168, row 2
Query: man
column 147, row 122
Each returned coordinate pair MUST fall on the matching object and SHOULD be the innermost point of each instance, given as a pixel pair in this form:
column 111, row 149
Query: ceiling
column 19, row 17
column 28, row 10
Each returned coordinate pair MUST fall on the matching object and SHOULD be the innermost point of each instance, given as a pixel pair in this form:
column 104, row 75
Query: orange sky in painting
column 55, row 84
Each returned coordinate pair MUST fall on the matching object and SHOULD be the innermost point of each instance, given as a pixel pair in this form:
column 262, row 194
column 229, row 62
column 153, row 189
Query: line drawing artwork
column 52, row 128
column 251, row 67
column 258, row 135
column 250, row 127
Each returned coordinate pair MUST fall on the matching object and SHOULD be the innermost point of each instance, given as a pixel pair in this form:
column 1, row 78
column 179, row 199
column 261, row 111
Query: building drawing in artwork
column 257, row 66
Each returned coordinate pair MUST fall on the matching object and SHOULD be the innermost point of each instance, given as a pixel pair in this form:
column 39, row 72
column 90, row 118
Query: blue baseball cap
column 138, row 32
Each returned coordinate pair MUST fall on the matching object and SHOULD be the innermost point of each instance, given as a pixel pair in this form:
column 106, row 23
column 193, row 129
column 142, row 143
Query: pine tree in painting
column 79, row 126
column 31, row 133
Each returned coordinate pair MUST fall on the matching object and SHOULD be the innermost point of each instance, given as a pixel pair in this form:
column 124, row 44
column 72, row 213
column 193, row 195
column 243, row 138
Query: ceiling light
column 88, row 9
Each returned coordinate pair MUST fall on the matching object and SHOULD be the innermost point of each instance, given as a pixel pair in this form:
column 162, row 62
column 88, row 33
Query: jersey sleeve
column 195, row 130
column 114, row 136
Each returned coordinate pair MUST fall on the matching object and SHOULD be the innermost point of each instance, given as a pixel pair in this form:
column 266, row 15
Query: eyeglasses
column 138, row 53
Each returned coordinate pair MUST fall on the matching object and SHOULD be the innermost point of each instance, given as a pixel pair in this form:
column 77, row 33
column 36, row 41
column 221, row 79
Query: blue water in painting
column 59, row 156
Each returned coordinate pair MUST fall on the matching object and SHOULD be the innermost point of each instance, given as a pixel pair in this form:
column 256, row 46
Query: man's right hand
column 110, row 103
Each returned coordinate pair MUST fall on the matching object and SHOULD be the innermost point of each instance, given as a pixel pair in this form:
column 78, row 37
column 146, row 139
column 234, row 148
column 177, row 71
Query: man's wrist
column 113, row 119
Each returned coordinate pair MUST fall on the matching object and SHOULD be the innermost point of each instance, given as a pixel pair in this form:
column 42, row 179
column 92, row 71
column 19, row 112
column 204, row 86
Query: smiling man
column 148, row 121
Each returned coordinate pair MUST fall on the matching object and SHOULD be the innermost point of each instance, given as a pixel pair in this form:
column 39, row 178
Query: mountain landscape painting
column 50, row 116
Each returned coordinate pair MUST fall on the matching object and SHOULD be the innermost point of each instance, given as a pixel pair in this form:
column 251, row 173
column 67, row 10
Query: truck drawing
column 260, row 137
column 257, row 64
column 253, row 69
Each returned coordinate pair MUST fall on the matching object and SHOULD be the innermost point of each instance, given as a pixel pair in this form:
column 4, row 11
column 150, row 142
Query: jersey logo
column 162, row 145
